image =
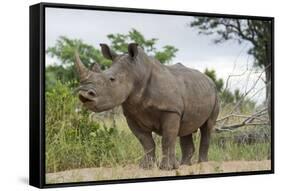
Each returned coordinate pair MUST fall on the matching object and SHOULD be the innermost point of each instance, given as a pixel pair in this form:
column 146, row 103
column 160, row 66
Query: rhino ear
column 107, row 52
column 96, row 67
column 133, row 50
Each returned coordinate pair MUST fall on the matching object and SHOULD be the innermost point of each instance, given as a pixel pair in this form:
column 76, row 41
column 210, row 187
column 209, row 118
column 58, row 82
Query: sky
column 194, row 50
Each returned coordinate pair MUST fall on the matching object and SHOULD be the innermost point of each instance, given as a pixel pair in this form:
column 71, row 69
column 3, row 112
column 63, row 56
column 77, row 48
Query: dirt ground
column 133, row 171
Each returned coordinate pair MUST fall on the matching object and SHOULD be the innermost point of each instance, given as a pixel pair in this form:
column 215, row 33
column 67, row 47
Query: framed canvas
column 123, row 95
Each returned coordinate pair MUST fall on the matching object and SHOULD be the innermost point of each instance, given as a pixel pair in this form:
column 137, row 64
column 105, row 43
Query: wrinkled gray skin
column 168, row 100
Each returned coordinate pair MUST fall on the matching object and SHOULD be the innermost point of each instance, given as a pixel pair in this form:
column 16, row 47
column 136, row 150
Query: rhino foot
column 169, row 164
column 186, row 162
column 202, row 160
column 147, row 162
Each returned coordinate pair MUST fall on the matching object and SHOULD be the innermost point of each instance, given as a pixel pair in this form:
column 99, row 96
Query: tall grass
column 76, row 139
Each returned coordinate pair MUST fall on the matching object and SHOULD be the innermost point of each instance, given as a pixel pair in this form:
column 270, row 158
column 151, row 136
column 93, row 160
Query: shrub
column 73, row 138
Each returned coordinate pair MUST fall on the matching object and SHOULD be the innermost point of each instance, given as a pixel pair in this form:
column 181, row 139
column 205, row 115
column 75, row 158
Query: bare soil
column 133, row 171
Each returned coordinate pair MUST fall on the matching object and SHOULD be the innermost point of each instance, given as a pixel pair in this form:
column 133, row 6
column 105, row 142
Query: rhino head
column 103, row 90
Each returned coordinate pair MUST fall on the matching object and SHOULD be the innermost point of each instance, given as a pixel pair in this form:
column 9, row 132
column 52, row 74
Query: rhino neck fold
column 141, row 84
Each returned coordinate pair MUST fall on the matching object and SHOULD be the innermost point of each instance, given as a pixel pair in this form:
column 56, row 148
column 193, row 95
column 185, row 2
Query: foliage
column 73, row 139
column 55, row 73
column 212, row 74
column 119, row 43
column 166, row 55
column 65, row 47
column 64, row 50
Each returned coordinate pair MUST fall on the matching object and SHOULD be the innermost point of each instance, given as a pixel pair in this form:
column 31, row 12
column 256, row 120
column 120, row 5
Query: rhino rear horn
column 96, row 67
column 80, row 67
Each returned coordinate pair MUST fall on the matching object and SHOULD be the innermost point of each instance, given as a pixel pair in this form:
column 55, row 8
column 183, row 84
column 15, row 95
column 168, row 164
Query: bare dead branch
column 235, row 126
column 248, row 91
column 257, row 114
column 239, row 116
column 246, row 122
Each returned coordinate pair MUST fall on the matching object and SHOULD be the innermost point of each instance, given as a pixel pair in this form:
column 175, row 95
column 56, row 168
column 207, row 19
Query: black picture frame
column 37, row 94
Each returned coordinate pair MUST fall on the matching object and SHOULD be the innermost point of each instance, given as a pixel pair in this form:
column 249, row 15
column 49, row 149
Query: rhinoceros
column 169, row 100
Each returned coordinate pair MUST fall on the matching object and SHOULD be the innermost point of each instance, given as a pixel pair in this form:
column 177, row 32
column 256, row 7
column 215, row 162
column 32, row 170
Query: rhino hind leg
column 187, row 148
column 205, row 131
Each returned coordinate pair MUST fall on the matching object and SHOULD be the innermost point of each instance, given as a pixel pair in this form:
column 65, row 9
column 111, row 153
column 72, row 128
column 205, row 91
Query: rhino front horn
column 80, row 67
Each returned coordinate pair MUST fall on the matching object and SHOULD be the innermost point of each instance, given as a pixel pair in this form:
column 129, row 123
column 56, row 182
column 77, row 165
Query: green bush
column 73, row 139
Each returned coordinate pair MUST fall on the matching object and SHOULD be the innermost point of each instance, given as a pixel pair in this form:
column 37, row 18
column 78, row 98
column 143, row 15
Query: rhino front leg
column 170, row 129
column 147, row 142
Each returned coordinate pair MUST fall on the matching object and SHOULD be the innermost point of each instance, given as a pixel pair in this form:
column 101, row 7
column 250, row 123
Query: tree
column 257, row 32
column 64, row 51
column 226, row 97
column 166, row 55
column 212, row 74
column 65, row 47
column 119, row 43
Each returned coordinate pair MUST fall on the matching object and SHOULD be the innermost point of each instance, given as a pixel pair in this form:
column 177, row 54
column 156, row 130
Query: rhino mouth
column 84, row 99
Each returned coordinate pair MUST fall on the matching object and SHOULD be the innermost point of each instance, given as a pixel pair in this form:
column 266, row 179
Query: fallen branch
column 257, row 114
column 238, row 116
column 248, row 121
column 235, row 126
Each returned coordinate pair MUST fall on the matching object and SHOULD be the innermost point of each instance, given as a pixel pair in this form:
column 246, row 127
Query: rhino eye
column 92, row 93
column 112, row 79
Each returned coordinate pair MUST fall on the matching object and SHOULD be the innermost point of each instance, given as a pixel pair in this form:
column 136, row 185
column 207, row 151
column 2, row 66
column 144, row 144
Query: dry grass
column 133, row 171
